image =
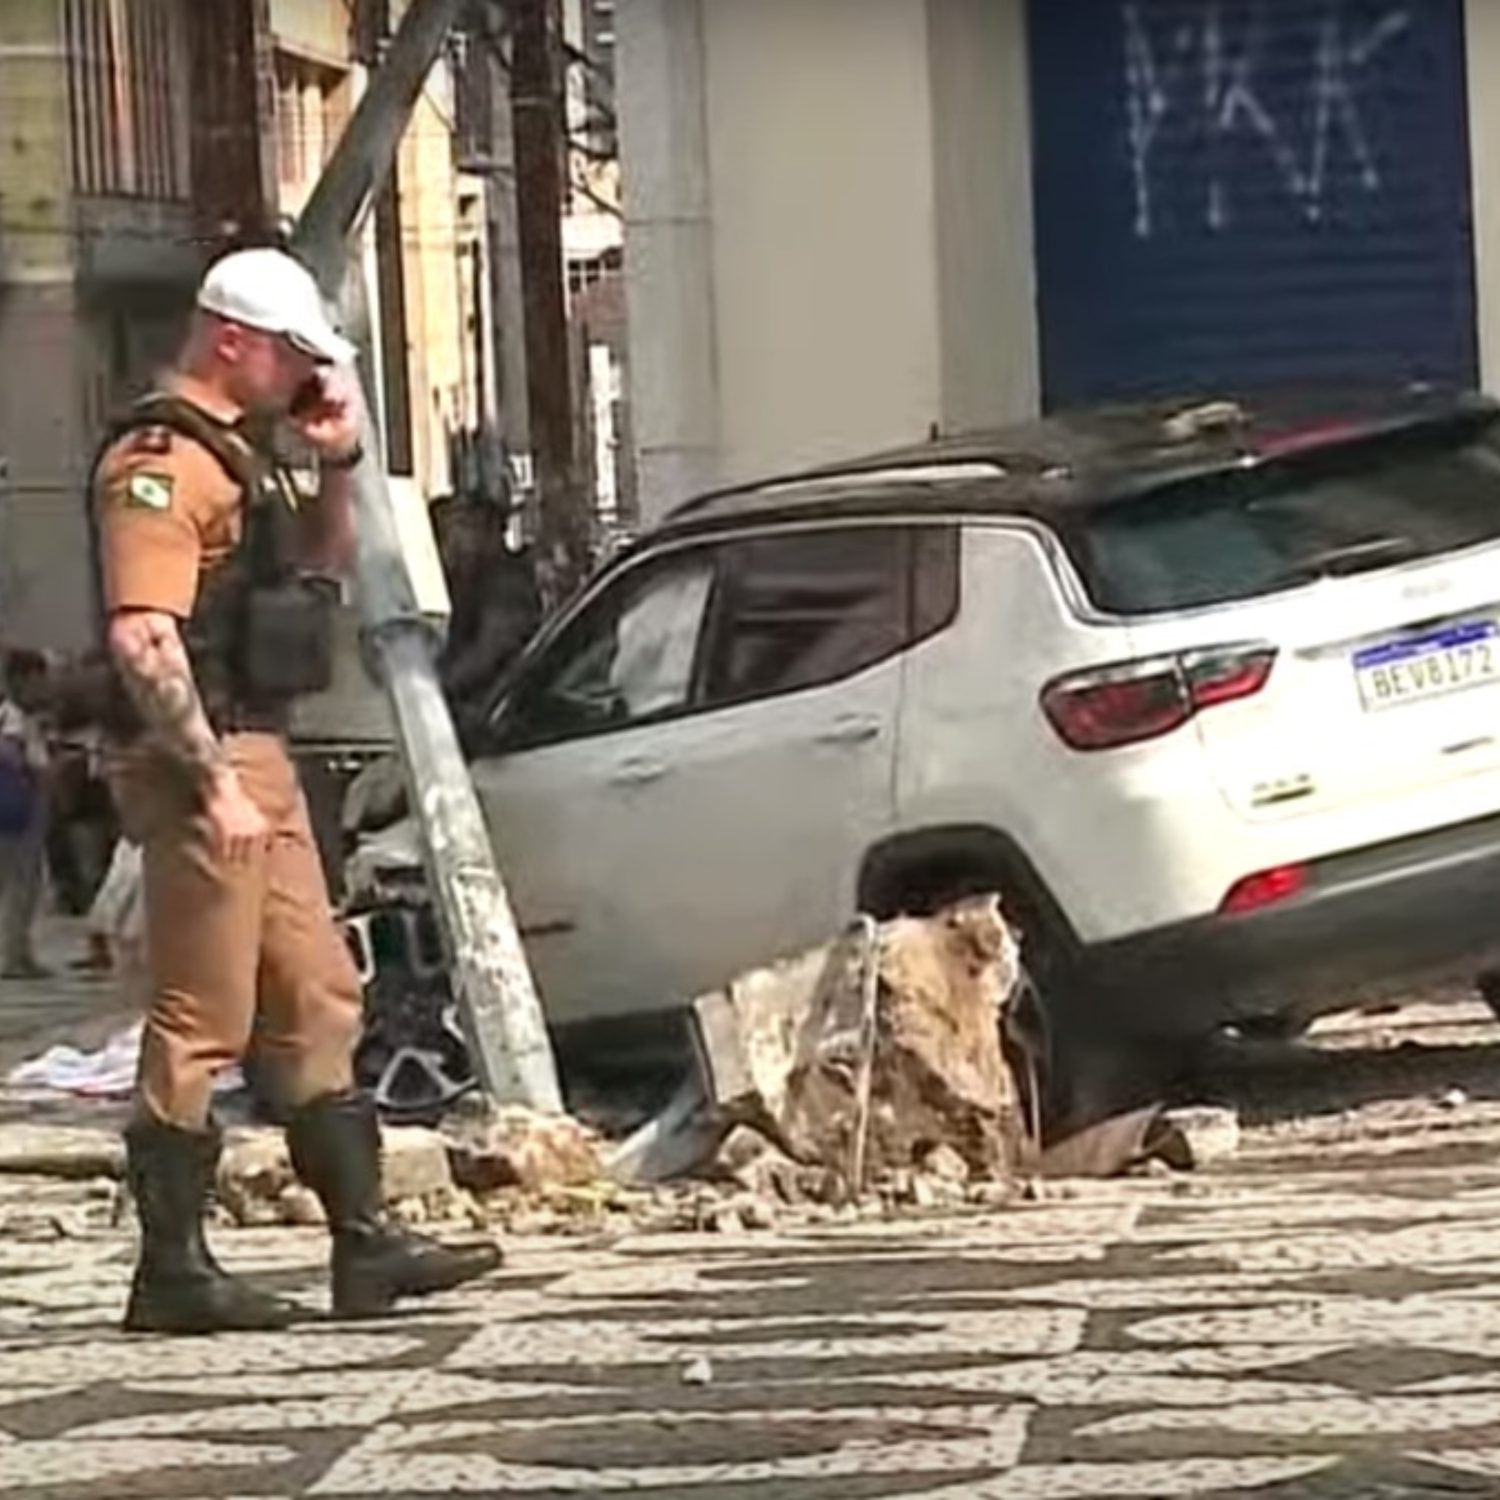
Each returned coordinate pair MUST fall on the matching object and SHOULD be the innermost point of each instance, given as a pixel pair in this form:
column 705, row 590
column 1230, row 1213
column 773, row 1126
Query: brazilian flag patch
column 150, row 491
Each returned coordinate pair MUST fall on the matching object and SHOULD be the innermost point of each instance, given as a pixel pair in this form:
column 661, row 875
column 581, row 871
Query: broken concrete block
column 258, row 1186
column 994, row 1194
column 60, row 1151
column 937, row 1073
column 414, row 1162
column 757, row 1213
column 749, row 1160
column 300, row 1205
column 726, row 1220
column 1198, row 1137
column 254, row 1170
column 511, row 1146
column 409, row 1211
column 854, row 1059
column 944, row 1163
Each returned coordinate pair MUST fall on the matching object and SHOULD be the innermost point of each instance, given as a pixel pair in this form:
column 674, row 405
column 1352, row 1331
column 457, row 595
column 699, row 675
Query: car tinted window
column 627, row 658
column 810, row 607
column 1254, row 531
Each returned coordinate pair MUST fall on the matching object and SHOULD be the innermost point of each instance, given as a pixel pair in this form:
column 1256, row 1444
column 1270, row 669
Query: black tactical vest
column 260, row 633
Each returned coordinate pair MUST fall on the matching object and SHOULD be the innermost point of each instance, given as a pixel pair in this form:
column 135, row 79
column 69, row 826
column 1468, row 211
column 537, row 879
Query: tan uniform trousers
column 230, row 944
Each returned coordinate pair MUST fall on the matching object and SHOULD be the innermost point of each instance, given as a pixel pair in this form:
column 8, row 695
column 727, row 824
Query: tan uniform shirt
column 225, row 942
column 166, row 511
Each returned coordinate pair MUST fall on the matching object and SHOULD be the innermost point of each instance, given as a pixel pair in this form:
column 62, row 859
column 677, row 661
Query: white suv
column 1212, row 696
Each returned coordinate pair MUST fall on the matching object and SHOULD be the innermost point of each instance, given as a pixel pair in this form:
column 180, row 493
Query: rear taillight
column 1107, row 707
column 1265, row 889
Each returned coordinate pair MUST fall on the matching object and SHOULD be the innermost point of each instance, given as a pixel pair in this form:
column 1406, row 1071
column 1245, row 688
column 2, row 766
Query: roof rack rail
column 917, row 468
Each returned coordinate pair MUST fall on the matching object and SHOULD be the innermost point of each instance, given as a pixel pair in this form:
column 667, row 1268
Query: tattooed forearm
column 148, row 649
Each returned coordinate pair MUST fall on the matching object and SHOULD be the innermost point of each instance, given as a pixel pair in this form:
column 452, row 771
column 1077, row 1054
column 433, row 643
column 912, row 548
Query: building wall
column 674, row 372
column 982, row 165
column 443, row 395
column 317, row 88
column 820, row 155
column 316, row 28
column 43, row 551
column 829, row 231
column 44, row 572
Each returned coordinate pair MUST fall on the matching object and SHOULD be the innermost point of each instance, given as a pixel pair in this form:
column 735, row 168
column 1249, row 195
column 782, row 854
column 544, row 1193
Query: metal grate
column 128, row 75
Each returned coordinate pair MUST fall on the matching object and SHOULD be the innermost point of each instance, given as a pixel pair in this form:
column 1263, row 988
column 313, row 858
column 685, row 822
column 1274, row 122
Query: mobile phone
column 308, row 398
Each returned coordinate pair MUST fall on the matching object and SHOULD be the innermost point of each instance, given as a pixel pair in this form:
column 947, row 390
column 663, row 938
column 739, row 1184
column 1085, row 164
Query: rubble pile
column 513, row 1147
column 874, row 1062
column 865, row 1079
column 257, row 1186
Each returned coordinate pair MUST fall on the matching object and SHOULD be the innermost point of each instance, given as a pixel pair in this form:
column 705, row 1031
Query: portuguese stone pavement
column 1321, row 1319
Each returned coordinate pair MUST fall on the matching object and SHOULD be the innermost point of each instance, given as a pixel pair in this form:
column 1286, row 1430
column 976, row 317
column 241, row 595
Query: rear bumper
column 1369, row 925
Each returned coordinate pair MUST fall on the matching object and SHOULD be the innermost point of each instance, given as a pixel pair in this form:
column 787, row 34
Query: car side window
column 806, row 608
column 627, row 658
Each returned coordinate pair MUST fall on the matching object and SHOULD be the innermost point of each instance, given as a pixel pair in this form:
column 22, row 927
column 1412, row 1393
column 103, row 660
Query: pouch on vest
column 260, row 633
column 287, row 638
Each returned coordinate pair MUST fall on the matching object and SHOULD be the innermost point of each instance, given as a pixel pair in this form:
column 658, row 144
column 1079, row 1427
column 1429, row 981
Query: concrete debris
column 856, row 1083
column 994, row 1194
column 765, row 1172
column 60, row 1151
column 254, row 1172
column 788, row 1050
column 414, row 1163
column 943, row 1162
column 300, row 1205
column 1197, row 1137
column 509, row 1146
column 726, row 1220
column 257, row 1186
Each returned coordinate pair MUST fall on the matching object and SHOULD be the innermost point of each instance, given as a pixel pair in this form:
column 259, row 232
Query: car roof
column 1091, row 457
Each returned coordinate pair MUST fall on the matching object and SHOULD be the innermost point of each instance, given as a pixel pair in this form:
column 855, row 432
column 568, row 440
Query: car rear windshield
column 1292, row 520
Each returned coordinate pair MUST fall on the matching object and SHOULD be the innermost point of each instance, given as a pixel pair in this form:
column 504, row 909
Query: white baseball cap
column 270, row 290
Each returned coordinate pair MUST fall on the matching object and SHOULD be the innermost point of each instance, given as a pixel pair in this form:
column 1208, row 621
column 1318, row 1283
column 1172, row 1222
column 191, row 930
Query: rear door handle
column 639, row 772
column 850, row 731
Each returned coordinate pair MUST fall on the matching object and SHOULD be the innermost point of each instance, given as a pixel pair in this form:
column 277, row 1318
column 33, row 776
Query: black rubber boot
column 335, row 1148
column 179, row 1287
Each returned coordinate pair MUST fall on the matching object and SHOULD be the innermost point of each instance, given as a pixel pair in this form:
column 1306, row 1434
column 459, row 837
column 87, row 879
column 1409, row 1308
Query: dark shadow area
column 1385, row 1059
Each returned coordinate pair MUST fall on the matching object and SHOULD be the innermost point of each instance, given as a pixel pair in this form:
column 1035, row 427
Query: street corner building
column 142, row 138
column 853, row 221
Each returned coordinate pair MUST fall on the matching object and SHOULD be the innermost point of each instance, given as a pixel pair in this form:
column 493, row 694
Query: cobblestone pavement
column 1320, row 1319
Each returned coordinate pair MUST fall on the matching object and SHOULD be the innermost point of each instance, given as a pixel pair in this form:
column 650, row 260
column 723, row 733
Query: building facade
column 850, row 222
column 145, row 136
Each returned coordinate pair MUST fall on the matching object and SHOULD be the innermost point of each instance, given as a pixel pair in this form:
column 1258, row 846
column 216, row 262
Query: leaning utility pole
column 497, row 999
column 541, row 167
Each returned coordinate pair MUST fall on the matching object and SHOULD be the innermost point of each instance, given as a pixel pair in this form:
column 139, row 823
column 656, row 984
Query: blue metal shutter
column 1239, row 193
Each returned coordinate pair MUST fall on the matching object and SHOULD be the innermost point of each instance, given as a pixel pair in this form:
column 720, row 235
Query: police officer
column 204, row 553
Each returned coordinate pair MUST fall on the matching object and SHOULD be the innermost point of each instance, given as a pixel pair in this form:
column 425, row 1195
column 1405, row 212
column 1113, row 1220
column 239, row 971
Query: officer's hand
column 329, row 417
column 239, row 827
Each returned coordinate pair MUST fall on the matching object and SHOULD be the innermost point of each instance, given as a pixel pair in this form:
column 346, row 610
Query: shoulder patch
column 155, row 439
column 150, row 491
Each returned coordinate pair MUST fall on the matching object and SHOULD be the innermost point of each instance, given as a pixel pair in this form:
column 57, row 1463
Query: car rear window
column 1292, row 520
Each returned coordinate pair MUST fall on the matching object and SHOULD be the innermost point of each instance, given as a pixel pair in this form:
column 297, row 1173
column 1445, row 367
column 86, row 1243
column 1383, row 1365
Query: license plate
column 1428, row 666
